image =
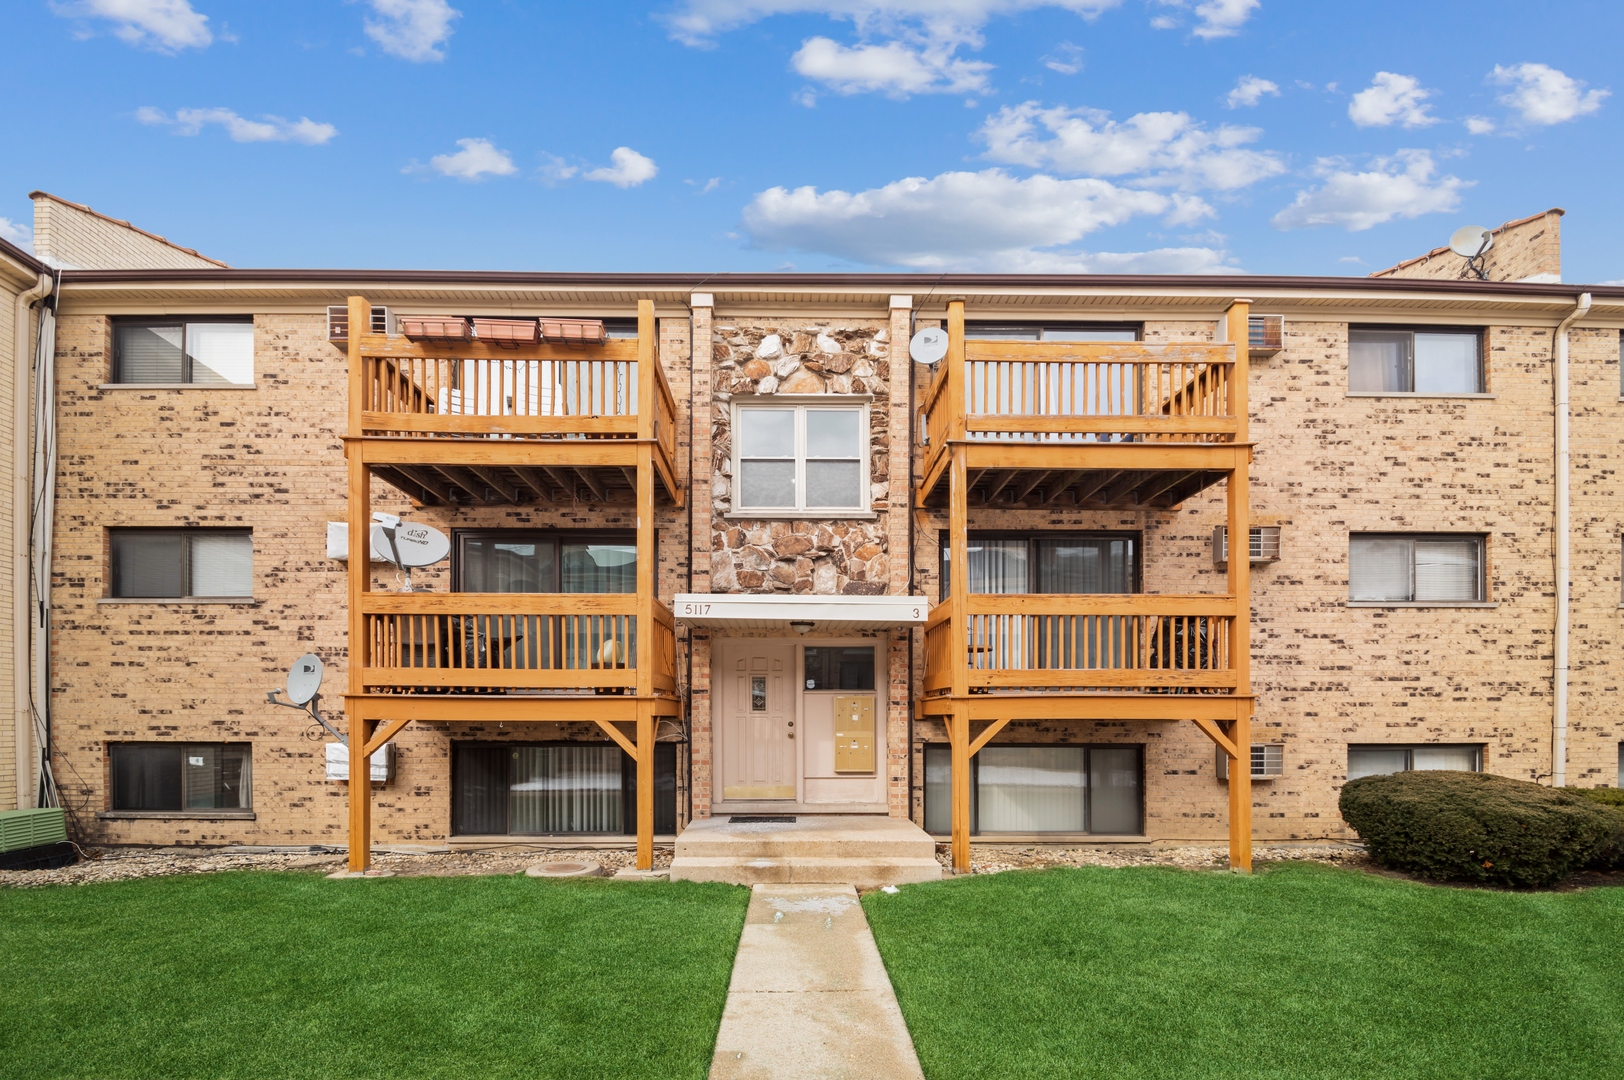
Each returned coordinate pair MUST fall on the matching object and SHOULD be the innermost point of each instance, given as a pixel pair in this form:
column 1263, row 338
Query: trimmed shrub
column 1463, row 826
column 1611, row 856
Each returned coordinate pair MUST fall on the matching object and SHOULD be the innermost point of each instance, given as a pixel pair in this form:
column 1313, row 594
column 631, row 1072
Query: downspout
column 22, row 404
column 1559, row 658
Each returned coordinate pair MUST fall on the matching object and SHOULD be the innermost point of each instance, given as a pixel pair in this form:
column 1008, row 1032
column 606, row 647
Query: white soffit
column 771, row 611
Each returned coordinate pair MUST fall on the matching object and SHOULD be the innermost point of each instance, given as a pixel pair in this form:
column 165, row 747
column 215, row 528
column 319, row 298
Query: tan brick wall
column 1531, row 247
column 67, row 236
column 10, row 444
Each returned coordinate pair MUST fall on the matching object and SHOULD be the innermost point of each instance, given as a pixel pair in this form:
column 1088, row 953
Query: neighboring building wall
column 1529, row 249
column 18, row 274
column 72, row 236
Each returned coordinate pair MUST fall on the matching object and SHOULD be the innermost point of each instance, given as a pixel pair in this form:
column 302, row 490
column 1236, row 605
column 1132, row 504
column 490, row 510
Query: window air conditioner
column 1268, row 761
column 383, row 762
column 338, row 322
column 1264, row 546
column 1266, row 335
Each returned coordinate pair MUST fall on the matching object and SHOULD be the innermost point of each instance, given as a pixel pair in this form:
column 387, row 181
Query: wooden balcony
column 1106, row 424
column 1091, row 644
column 472, row 422
column 535, row 644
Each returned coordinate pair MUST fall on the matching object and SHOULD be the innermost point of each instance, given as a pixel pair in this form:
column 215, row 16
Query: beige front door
column 758, row 722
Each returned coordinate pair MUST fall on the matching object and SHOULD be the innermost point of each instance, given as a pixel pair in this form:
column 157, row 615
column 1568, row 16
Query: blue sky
column 933, row 135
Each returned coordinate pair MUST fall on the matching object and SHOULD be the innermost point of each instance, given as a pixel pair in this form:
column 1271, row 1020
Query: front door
column 758, row 722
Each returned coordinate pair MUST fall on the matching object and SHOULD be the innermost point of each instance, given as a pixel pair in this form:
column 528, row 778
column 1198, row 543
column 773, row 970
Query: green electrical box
column 21, row 829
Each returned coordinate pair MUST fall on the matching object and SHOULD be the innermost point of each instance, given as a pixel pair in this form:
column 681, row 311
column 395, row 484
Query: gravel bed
column 986, row 859
column 124, row 864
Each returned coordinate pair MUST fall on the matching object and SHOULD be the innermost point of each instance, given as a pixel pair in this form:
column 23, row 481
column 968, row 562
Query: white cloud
column 412, row 29
column 1066, row 59
column 1479, row 125
column 629, row 169
column 893, row 68
column 1249, row 91
column 1543, row 95
column 165, row 26
column 1215, row 18
column 17, row 233
column 1392, row 99
column 477, row 158
column 239, row 128
column 1162, row 149
column 956, row 220
column 1402, row 186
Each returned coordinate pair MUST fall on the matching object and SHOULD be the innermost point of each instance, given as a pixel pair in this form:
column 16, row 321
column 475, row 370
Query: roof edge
column 1437, row 251
column 12, row 251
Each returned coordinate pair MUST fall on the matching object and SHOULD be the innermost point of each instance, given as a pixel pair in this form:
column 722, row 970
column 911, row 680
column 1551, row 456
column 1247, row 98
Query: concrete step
column 858, row 873
column 865, row 851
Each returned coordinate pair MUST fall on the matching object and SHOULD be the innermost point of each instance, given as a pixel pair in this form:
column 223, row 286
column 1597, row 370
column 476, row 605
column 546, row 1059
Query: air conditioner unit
column 1268, row 761
column 1265, row 544
column 1266, row 335
column 383, row 762
column 338, row 322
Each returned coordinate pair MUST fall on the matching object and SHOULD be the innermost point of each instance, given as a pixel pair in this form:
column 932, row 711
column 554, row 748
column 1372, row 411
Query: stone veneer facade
column 1327, row 463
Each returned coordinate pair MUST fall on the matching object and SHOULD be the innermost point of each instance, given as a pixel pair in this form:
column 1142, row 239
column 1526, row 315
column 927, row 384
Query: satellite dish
column 414, row 545
column 929, row 345
column 1471, row 241
column 304, row 678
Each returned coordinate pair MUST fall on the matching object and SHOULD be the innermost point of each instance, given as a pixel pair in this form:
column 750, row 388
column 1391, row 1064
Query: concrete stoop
column 865, row 852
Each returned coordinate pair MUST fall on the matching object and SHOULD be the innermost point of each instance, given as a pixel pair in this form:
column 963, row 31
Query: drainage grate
column 761, row 819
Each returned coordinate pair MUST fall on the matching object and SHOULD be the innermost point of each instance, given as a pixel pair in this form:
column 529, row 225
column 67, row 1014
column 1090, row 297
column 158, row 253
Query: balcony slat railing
column 1087, row 642
column 440, row 642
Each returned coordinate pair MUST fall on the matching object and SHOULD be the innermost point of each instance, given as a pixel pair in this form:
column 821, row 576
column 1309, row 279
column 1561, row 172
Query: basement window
column 1415, row 569
column 1381, row 760
column 1394, row 360
column 203, row 352
column 181, row 776
column 1041, row 788
column 182, row 564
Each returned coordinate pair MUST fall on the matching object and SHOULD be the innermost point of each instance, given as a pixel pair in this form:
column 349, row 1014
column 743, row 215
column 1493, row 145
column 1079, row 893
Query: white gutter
column 22, row 405
column 1559, row 664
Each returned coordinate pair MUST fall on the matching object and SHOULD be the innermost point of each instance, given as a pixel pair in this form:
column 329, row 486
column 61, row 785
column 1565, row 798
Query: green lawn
column 291, row 975
column 1297, row 971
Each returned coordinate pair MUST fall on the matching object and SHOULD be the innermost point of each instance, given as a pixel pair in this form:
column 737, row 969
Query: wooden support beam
column 383, row 734
column 433, row 485
column 1053, row 491
column 472, row 488
column 1237, row 325
column 527, row 477
column 999, row 481
column 630, row 476
column 986, row 734
column 495, row 483
column 615, row 733
column 1087, row 489
column 1031, row 484
column 958, row 735
column 359, row 576
column 645, row 787
column 591, row 482
column 1220, row 738
column 1159, row 484
column 1126, row 483
column 562, row 481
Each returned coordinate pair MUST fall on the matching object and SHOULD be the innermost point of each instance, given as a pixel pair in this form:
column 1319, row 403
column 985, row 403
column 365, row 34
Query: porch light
column 801, row 626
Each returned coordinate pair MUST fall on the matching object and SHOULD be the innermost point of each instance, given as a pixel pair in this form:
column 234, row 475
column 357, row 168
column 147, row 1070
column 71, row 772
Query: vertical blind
column 565, row 788
column 1041, row 788
column 1056, row 564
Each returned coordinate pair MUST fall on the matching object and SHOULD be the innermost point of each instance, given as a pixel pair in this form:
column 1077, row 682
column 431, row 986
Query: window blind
column 149, row 354
column 221, row 565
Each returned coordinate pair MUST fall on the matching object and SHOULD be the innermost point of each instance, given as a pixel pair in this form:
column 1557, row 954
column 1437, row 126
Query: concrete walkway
column 810, row 998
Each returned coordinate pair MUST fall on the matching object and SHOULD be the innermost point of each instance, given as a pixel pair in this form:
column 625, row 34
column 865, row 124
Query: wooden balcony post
column 646, row 570
column 360, row 571
column 956, row 394
column 959, row 570
column 1240, row 587
column 648, row 359
column 958, row 734
column 645, row 784
column 360, row 791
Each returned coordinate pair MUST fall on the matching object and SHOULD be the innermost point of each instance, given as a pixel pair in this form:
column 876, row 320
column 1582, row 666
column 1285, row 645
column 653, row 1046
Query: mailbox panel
column 854, row 733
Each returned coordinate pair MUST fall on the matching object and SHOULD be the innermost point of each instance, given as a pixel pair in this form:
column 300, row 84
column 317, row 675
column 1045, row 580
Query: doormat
column 760, row 819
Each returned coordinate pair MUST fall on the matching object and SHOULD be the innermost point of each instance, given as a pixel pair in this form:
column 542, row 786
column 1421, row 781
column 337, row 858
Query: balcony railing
column 1083, row 392
column 1111, row 643
column 490, row 642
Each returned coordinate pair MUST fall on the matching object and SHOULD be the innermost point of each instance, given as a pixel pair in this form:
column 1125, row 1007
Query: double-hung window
column 206, row 352
column 180, row 776
column 1393, row 360
column 1415, row 569
column 801, row 458
column 1379, row 760
column 180, row 564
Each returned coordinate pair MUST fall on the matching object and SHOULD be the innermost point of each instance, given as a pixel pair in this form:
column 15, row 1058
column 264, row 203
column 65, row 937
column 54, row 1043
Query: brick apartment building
column 720, row 512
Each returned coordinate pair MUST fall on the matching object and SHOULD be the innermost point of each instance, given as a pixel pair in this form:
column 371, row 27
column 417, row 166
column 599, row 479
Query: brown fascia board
column 942, row 285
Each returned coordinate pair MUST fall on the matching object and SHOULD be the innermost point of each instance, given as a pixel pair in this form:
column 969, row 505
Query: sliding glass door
column 1042, row 788
column 551, row 788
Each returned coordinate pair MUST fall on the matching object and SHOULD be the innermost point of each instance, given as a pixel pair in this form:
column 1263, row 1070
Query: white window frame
column 1479, row 332
column 1482, row 601
column 802, row 404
